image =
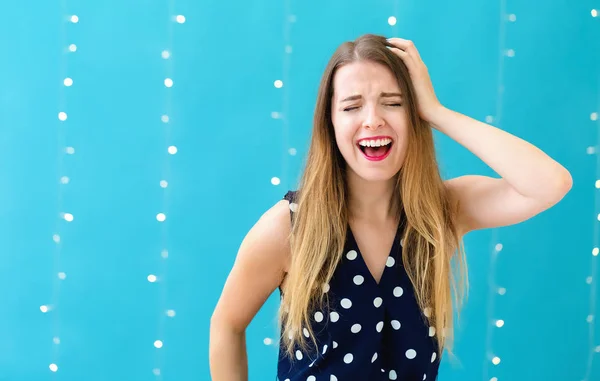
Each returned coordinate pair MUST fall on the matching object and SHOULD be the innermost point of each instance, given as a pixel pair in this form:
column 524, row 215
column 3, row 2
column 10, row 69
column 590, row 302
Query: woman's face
column 367, row 104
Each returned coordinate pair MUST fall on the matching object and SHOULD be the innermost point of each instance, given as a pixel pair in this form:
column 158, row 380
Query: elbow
column 560, row 187
column 565, row 183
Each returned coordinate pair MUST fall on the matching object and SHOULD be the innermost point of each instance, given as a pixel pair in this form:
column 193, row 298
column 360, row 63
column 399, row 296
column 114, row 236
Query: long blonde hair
column 430, row 237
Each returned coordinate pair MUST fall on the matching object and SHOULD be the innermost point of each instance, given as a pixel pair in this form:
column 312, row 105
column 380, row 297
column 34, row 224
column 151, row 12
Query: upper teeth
column 375, row 143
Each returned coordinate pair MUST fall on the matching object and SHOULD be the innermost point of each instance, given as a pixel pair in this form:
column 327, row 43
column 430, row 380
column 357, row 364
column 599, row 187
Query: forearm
column 525, row 167
column 228, row 357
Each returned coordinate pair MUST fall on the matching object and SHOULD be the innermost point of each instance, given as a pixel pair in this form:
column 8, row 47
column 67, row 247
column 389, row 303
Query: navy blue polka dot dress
column 371, row 331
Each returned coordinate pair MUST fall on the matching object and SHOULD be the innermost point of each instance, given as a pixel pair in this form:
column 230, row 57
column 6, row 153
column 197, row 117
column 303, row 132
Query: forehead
column 364, row 78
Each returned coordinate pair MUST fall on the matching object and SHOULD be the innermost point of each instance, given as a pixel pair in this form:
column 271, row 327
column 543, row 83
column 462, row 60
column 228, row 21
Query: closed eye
column 355, row 107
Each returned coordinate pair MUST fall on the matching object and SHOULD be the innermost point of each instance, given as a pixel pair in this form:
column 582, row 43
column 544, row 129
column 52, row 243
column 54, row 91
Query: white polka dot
column 358, row 280
column 379, row 326
column 356, row 328
column 424, row 377
column 427, row 311
column 318, row 316
column 324, row 348
column 377, row 302
column 398, row 291
column 346, row 303
column 374, row 358
column 433, row 356
column 431, row 331
column 306, row 332
column 334, row 316
column 326, row 287
column 411, row 354
column 311, row 378
column 293, row 207
column 335, row 344
column 333, row 378
column 348, row 358
column 351, row 255
column 393, row 375
column 390, row 262
column 396, row 324
column 299, row 355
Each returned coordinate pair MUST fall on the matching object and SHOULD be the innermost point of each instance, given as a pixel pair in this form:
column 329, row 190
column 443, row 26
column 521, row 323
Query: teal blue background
column 225, row 59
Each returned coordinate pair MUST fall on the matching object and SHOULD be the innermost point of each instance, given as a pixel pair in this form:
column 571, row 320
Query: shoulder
column 272, row 230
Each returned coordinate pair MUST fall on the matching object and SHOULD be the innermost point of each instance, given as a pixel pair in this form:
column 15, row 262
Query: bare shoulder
column 258, row 270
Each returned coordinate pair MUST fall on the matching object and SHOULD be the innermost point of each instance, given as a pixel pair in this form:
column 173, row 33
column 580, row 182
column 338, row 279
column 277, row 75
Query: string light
column 592, row 278
column 61, row 182
column 496, row 247
column 166, row 119
column 283, row 84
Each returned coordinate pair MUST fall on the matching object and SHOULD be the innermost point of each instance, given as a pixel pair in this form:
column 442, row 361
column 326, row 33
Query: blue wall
column 236, row 156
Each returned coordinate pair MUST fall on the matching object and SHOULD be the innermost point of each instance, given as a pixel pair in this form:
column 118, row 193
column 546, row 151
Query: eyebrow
column 383, row 95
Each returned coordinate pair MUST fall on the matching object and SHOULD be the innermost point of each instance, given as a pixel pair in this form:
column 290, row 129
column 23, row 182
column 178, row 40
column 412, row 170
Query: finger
column 406, row 45
column 406, row 57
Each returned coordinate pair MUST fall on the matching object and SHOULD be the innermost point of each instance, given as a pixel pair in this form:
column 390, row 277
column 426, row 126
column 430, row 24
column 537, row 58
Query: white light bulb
column 161, row 217
column 172, row 150
column 499, row 323
column 594, row 116
column 496, row 360
column 278, row 84
column 595, row 251
column 62, row 116
column 169, row 82
column 68, row 217
column 158, row 344
column 164, row 119
column 44, row 308
column 170, row 313
column 62, row 276
column 594, row 13
column 68, row 82
column 164, row 184
column 392, row 20
column 180, row 19
column 498, row 247
column 268, row 341
column 70, row 150
column 151, row 278
column 165, row 54
column 72, row 48
column 275, row 181
column 74, row 19
column 512, row 17
column 53, row 367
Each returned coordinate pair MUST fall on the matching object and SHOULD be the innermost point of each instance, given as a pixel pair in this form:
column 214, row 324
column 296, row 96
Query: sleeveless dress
column 371, row 331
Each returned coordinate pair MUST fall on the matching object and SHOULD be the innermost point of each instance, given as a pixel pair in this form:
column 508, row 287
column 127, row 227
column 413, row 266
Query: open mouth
column 376, row 152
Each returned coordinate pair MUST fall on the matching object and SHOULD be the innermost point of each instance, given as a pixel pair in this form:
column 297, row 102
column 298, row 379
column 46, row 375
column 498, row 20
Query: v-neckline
column 392, row 251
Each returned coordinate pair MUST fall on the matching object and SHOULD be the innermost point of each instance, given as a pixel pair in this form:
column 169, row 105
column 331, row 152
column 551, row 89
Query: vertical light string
column 63, row 216
column 170, row 149
column 393, row 19
column 592, row 279
column 283, row 84
column 494, row 321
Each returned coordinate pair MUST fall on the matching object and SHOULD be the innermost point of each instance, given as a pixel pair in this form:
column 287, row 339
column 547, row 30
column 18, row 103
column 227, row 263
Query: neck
column 370, row 200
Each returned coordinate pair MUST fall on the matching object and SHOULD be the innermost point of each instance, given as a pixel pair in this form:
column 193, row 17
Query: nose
column 372, row 119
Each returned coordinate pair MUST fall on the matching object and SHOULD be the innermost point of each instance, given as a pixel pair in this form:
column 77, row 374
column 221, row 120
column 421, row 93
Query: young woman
column 363, row 251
